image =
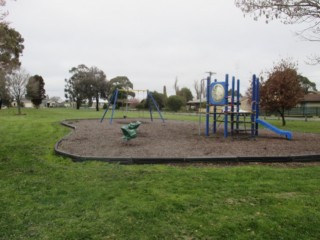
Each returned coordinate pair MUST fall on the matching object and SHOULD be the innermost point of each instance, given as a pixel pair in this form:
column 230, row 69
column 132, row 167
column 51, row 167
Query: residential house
column 25, row 103
column 312, row 99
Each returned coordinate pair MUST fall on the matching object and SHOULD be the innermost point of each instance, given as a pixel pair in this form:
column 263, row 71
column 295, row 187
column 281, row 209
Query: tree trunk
column 282, row 117
column 283, row 120
column 0, row 104
column 90, row 102
column 78, row 102
column 19, row 106
column 97, row 103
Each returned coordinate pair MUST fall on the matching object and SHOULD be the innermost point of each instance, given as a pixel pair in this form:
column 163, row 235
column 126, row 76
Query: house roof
column 195, row 101
column 311, row 97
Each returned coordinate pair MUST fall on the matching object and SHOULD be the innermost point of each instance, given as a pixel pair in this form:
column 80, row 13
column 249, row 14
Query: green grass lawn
column 44, row 196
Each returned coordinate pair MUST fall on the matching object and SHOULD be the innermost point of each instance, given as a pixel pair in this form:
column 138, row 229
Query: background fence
column 296, row 112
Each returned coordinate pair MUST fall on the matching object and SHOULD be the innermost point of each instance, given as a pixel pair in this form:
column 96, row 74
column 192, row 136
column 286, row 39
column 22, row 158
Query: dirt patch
column 178, row 139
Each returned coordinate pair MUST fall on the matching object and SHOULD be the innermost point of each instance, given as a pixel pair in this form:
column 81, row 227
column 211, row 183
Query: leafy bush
column 141, row 105
column 175, row 102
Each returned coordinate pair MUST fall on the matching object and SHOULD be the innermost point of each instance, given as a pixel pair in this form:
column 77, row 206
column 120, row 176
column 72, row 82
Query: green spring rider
column 130, row 131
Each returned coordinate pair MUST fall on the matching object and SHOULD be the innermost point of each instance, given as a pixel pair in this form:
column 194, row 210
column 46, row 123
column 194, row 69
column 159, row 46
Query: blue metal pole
column 226, row 108
column 257, row 104
column 238, row 104
column 208, row 105
column 108, row 105
column 156, row 105
column 214, row 119
column 114, row 105
column 149, row 103
column 232, row 104
column 105, row 112
column 253, row 106
column 215, row 116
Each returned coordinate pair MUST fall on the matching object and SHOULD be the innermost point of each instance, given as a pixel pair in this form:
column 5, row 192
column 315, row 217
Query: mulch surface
column 176, row 139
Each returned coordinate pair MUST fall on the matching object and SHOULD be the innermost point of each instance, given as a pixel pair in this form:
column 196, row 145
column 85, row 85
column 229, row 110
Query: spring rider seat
column 130, row 131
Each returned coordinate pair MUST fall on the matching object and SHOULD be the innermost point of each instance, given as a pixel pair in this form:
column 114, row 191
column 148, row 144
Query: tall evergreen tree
column 35, row 90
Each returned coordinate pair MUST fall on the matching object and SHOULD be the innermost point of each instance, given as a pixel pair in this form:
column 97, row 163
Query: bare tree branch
column 288, row 12
column 17, row 82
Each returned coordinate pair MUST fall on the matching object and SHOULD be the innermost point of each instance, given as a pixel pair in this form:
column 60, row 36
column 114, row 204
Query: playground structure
column 114, row 98
column 217, row 95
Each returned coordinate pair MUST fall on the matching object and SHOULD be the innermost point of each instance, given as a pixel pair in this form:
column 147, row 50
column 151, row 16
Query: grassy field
column 44, row 196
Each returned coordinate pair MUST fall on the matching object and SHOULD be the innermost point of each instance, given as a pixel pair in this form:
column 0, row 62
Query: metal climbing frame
column 230, row 106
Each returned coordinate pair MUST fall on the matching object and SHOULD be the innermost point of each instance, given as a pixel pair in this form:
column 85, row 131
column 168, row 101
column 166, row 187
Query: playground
column 178, row 139
column 238, row 139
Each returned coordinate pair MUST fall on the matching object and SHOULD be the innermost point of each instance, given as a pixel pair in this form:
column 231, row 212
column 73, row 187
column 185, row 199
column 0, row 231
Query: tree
column 197, row 88
column 165, row 91
column 55, row 99
column 203, row 89
column 120, row 82
column 3, row 14
column 74, row 91
column 306, row 84
column 123, row 83
column 4, row 91
column 98, row 85
column 186, row 94
column 35, row 90
column 288, row 11
column 282, row 90
column 248, row 93
column 159, row 98
column 86, row 83
column 11, row 48
column 175, row 86
column 175, row 102
column 17, row 82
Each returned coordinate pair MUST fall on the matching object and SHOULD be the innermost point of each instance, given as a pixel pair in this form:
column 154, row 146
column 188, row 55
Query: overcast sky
column 152, row 42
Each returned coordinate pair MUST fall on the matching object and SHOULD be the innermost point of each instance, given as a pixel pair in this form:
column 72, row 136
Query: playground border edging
column 180, row 160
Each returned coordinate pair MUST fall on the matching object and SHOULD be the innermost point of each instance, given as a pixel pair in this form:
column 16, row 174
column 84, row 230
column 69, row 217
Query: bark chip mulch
column 178, row 139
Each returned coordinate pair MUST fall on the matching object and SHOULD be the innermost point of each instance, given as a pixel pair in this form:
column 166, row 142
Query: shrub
column 175, row 102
